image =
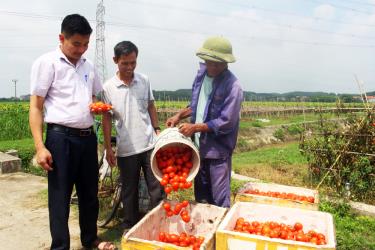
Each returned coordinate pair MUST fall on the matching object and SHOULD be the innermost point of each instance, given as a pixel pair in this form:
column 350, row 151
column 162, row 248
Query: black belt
column 70, row 131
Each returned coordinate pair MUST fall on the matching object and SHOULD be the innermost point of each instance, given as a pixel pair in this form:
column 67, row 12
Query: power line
column 296, row 15
column 360, row 3
column 119, row 24
column 284, row 26
column 235, row 36
column 344, row 7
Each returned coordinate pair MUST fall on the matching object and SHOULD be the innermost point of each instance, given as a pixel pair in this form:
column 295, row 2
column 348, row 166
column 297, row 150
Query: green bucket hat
column 217, row 49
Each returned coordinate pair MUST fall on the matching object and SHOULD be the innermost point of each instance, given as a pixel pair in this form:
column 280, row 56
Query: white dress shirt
column 67, row 89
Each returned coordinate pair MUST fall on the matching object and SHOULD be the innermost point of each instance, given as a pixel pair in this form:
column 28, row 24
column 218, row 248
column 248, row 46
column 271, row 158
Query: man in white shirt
column 63, row 84
column 136, row 121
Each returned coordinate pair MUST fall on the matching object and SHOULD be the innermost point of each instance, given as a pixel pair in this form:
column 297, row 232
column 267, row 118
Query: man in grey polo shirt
column 136, row 122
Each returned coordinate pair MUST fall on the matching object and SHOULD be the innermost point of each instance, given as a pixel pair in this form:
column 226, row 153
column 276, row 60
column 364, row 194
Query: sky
column 280, row 45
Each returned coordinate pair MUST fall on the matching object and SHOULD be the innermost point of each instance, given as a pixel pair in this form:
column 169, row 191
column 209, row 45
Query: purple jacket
column 222, row 114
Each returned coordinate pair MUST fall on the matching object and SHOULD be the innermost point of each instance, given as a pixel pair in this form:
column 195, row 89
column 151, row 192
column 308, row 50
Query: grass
column 280, row 120
column 26, row 151
column 14, row 120
column 283, row 164
column 280, row 164
column 352, row 231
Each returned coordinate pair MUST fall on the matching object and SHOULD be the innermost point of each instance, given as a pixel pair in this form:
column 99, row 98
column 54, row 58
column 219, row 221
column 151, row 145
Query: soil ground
column 24, row 220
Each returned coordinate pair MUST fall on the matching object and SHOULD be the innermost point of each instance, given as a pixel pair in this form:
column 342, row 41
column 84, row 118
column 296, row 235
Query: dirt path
column 24, row 214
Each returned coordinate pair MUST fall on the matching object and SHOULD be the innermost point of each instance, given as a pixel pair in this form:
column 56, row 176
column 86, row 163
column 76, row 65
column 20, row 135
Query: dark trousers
column 212, row 183
column 75, row 162
column 130, row 168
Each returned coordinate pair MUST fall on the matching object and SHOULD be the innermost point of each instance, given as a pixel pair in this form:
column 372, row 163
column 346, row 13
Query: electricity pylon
column 100, row 62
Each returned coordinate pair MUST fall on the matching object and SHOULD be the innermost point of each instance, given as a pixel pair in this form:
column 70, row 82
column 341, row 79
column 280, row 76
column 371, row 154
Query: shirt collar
column 120, row 83
column 63, row 56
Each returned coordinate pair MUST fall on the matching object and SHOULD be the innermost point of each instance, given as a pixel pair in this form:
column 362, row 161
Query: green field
column 281, row 163
column 14, row 116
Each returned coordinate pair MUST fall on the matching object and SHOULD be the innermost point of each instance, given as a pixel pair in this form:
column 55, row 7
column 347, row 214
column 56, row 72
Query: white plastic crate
column 265, row 187
column 204, row 221
column 227, row 239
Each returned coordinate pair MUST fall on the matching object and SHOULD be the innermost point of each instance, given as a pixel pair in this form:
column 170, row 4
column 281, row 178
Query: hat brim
column 214, row 56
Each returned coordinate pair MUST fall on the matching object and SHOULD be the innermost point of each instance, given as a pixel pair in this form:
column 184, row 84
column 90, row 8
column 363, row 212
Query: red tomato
column 298, row 226
column 200, row 239
column 311, row 233
column 314, row 240
column 182, row 179
column 186, row 218
column 188, row 184
column 184, row 212
column 167, row 190
column 299, row 237
column 174, row 238
column 192, row 239
column 162, row 236
column 170, row 169
column 321, row 242
column 166, row 176
column 255, row 223
column 266, row 230
column 283, row 234
column 175, row 186
column 321, row 236
column 311, row 199
column 185, row 203
column 188, row 164
column 177, row 208
column 163, row 182
column 167, row 206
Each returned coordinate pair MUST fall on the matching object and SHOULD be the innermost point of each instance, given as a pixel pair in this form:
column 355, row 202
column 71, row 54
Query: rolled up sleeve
column 229, row 114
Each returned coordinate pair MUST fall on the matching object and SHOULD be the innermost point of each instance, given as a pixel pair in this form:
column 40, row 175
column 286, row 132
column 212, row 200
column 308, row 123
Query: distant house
column 371, row 98
column 25, row 97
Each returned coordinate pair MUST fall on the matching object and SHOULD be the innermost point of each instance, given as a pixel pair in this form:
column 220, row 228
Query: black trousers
column 130, row 168
column 75, row 162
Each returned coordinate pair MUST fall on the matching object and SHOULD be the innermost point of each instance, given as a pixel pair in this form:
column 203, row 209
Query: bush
column 242, row 145
column 257, row 124
column 295, row 129
column 14, row 120
column 279, row 134
column 341, row 155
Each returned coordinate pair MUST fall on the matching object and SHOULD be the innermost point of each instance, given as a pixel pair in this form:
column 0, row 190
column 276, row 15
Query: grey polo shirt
column 135, row 133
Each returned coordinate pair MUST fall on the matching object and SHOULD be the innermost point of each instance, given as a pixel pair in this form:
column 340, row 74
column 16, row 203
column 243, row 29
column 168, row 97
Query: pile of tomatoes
column 99, row 107
column 282, row 195
column 182, row 240
column 280, row 230
column 179, row 209
column 175, row 163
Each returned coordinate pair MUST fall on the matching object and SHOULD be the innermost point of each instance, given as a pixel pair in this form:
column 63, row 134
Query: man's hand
column 187, row 129
column 110, row 157
column 44, row 159
column 172, row 121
